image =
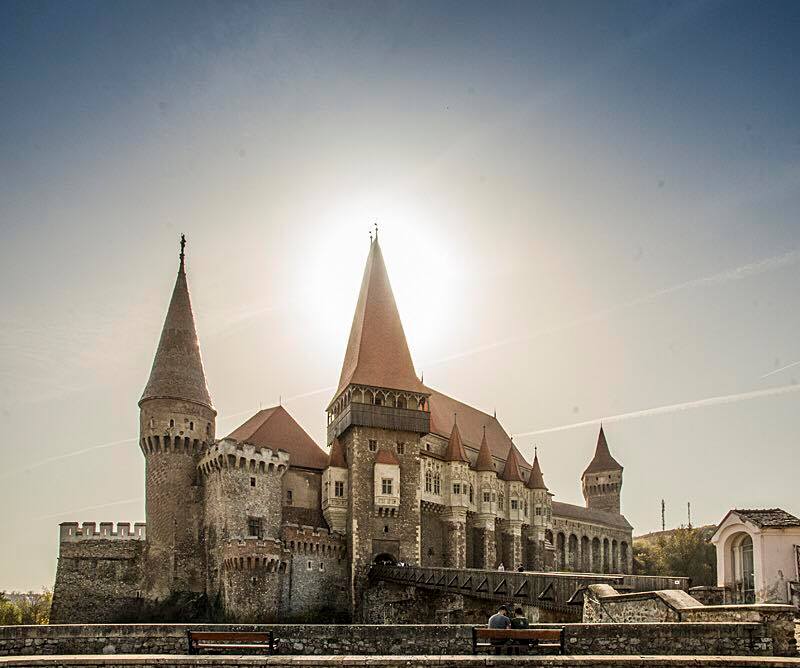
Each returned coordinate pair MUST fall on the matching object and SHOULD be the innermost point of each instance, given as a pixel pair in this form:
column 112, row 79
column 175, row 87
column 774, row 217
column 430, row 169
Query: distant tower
column 602, row 479
column 540, row 554
column 176, row 421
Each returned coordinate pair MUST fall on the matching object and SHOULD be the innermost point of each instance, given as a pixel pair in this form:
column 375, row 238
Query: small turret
column 458, row 469
column 335, row 483
column 602, row 479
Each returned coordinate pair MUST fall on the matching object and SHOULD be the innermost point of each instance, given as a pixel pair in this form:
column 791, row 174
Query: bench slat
column 527, row 634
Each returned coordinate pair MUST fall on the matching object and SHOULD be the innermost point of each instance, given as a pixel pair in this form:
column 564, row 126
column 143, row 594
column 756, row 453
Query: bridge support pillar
column 485, row 548
column 455, row 522
column 512, row 544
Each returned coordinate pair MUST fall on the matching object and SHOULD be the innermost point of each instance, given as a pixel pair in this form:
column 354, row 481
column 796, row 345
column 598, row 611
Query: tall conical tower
column 539, row 554
column 602, row 479
column 379, row 414
column 176, row 421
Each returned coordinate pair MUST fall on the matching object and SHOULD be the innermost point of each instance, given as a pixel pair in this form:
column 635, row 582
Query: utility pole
column 689, row 512
column 663, row 522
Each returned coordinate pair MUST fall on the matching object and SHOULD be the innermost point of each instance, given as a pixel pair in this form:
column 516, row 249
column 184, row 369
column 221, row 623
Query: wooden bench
column 517, row 640
column 216, row 641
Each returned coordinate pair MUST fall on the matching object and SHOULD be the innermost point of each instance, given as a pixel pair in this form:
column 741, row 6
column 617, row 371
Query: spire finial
column 495, row 414
column 370, row 237
column 376, row 229
column 455, row 418
column 183, row 247
column 535, row 451
column 484, row 431
column 422, row 377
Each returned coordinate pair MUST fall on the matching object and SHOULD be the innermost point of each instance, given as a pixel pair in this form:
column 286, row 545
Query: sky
column 588, row 210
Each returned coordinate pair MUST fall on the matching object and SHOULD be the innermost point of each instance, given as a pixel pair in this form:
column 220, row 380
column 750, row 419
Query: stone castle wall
column 98, row 580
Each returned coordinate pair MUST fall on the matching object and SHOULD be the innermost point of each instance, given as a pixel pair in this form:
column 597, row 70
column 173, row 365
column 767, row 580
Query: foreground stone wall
column 732, row 639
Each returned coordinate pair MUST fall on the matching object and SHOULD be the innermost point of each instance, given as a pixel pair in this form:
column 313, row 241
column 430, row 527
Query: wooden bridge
column 559, row 592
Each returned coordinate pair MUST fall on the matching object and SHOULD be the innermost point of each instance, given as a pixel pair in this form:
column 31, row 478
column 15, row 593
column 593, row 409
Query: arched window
column 191, row 426
column 428, row 481
column 172, row 423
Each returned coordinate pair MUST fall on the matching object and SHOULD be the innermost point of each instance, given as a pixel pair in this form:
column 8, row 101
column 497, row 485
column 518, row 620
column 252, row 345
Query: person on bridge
column 501, row 567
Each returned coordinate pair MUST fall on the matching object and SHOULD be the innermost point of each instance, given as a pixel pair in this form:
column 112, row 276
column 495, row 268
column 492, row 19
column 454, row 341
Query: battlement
column 168, row 443
column 231, row 454
column 253, row 553
column 70, row 532
column 314, row 540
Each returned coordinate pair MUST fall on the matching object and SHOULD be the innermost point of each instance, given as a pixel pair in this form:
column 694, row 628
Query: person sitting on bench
column 499, row 620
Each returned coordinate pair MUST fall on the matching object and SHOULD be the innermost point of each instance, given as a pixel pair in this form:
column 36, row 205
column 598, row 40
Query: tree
column 35, row 607
column 9, row 613
column 681, row 552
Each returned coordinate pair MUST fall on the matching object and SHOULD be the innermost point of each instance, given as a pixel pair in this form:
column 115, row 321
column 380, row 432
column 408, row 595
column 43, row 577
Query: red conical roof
column 536, row 479
column 455, row 448
column 336, row 457
column 602, row 461
column 377, row 352
column 177, row 371
column 511, row 472
column 484, row 460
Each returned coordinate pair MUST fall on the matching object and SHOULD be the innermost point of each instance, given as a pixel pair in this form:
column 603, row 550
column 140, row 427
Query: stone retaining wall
column 580, row 639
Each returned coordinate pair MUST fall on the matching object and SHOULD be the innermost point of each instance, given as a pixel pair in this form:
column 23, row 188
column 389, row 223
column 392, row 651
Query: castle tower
column 513, row 510
column 176, row 421
column 602, row 479
column 455, row 514
column 379, row 414
column 335, row 483
column 485, row 544
column 539, row 554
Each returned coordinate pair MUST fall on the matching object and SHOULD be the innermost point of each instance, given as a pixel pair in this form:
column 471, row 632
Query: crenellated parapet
column 231, row 454
column 255, row 554
column 314, row 541
column 71, row 532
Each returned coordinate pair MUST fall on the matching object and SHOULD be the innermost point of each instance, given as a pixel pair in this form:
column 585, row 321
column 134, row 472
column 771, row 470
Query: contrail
column 672, row 408
column 783, row 368
column 85, row 508
column 720, row 278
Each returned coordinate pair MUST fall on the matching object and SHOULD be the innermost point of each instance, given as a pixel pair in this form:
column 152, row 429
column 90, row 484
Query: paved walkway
column 177, row 661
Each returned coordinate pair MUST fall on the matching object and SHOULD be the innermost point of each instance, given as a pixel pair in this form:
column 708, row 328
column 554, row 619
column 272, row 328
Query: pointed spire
column 536, row 479
column 511, row 472
column 377, row 352
column 484, row 460
column 336, row 458
column 455, row 448
column 177, row 371
column 602, row 461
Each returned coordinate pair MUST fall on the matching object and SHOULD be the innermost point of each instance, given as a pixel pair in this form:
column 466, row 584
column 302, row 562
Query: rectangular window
column 309, row 565
column 373, row 445
column 288, row 497
column 514, row 504
column 487, row 497
column 252, row 482
column 322, row 565
column 401, row 448
column 538, row 511
column 254, row 526
column 386, row 486
column 338, row 488
column 456, row 488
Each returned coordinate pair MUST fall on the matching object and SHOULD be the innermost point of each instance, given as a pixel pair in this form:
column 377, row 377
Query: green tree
column 684, row 551
column 9, row 613
column 34, row 607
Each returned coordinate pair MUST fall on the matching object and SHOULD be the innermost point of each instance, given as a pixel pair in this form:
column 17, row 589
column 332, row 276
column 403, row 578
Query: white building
column 758, row 556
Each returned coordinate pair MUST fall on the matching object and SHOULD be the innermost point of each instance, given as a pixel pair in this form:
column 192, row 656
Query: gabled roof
column 572, row 511
column 336, row 457
column 511, row 471
column 769, row 517
column 602, row 461
column 484, row 459
column 377, row 352
column 177, row 371
column 386, row 456
column 536, row 479
column 274, row 428
column 455, row 449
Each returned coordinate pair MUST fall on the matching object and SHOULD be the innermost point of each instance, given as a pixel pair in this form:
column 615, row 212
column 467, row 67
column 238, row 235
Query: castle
column 264, row 525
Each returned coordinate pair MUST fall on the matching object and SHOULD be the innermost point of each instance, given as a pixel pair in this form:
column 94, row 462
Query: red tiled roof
column 511, row 472
column 455, row 449
column 536, row 479
column 769, row 517
column 274, row 428
column 603, row 461
column 569, row 510
column 177, row 371
column 336, row 457
column 484, row 459
column 377, row 352
column 386, row 456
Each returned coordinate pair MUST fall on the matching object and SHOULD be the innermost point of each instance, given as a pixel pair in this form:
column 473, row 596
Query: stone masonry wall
column 436, row 639
column 98, row 581
column 432, row 533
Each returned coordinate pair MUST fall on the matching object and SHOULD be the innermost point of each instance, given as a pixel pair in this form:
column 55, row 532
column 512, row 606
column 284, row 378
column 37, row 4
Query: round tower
column 540, row 553
column 602, row 479
column 176, row 422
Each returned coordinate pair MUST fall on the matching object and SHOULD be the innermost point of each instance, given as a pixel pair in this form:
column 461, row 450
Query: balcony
column 382, row 417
